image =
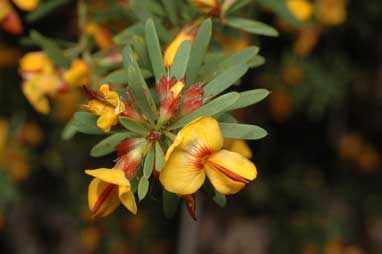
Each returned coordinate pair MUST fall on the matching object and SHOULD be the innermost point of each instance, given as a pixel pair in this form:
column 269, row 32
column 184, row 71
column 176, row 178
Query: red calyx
column 192, row 99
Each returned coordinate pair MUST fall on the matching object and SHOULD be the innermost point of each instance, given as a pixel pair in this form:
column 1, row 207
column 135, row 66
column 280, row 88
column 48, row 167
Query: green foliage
column 143, row 188
column 251, row 26
column 108, row 144
column 242, row 131
column 179, row 66
column 133, row 126
column 86, row 122
column 154, row 50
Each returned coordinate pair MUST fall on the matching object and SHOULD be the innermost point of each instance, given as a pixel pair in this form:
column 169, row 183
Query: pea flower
column 102, row 35
column 238, row 146
column 9, row 19
column 331, row 12
column 78, row 74
column 107, row 104
column 40, row 80
column 208, row 7
column 111, row 187
column 301, row 9
column 197, row 152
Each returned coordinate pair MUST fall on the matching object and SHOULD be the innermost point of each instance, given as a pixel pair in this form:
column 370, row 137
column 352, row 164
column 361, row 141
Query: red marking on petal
column 101, row 199
column 95, row 95
column 229, row 174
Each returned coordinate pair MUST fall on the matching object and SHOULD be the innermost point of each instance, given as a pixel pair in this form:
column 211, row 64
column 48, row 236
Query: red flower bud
column 192, row 99
column 12, row 23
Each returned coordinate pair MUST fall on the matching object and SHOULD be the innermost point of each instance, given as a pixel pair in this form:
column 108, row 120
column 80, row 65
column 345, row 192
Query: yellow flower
column 90, row 238
column 171, row 50
column 301, row 9
column 108, row 190
column 108, row 109
column 31, row 134
column 36, row 62
column 232, row 44
column 292, row 74
column 207, row 6
column 306, row 40
column 15, row 162
column 4, row 128
column 78, row 74
column 67, row 104
column 197, row 152
column 26, row 5
column 331, row 12
column 238, row 146
column 102, row 36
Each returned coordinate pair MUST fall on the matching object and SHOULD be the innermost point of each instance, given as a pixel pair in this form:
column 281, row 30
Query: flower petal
column 26, row 5
column 127, row 198
column 229, row 172
column 102, row 198
column 181, row 173
column 238, row 146
column 202, row 135
column 114, row 176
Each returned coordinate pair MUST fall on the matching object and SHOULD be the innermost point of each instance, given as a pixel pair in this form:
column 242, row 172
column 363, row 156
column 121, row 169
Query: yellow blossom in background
column 108, row 190
column 331, row 12
column 306, row 40
column 90, row 238
column 280, row 105
column 26, row 5
column 301, row 9
column 31, row 134
column 333, row 247
column 15, row 163
column 196, row 153
column 207, row 6
column 78, row 74
column 66, row 105
column 172, row 48
column 102, row 35
column 349, row 146
column 232, row 44
column 353, row 249
column 238, row 146
column 4, row 129
column 368, row 158
column 36, row 62
column 108, row 110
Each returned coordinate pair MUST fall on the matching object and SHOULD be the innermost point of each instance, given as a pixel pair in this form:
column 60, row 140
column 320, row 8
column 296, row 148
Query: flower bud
column 192, row 100
column 169, row 104
column 208, row 7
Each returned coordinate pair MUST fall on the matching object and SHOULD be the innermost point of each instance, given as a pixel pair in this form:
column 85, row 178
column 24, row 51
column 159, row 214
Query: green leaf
column 250, row 97
column 149, row 163
column 198, row 51
column 242, row 131
column 170, row 203
column 179, row 66
column 139, row 45
column 159, row 157
column 220, row 199
column 108, row 145
column 154, row 49
column 235, row 6
column 213, row 107
column 86, row 122
column 125, row 36
column 256, row 61
column 143, row 188
column 133, row 126
column 118, row 77
column 251, row 26
column 170, row 7
column 55, row 54
column 44, row 8
column 224, row 80
column 69, row 131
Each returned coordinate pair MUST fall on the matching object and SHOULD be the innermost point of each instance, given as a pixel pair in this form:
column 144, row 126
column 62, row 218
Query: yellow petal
column 229, row 172
column 35, row 96
column 114, row 176
column 5, row 9
column 199, row 136
column 238, row 146
column 102, row 198
column 205, row 6
column 78, row 74
column 127, row 198
column 172, row 48
column 26, row 5
column 107, row 120
column 181, row 173
column 301, row 9
column 36, row 62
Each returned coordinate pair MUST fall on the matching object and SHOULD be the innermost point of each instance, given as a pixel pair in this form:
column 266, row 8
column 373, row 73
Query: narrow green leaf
column 118, row 77
column 143, row 188
column 170, row 7
column 250, row 97
column 251, row 26
column 213, row 107
column 149, row 163
column 141, row 93
column 125, row 36
column 220, row 199
column 133, row 126
column 159, row 157
column 54, row 53
column 256, row 61
column 86, row 122
column 224, row 80
column 179, row 66
column 154, row 49
column 108, row 145
column 170, row 203
column 198, row 51
column 242, row 131
column 44, row 9
column 69, row 131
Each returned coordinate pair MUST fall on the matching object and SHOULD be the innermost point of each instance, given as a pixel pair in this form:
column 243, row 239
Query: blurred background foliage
column 319, row 184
